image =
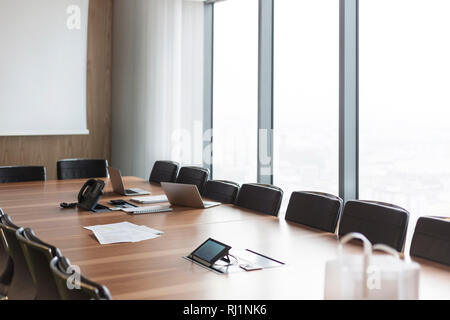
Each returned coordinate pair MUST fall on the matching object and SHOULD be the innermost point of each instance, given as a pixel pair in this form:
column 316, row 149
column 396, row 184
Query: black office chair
column 221, row 191
column 315, row 209
column 164, row 171
column 22, row 174
column 6, row 264
column 260, row 197
column 380, row 222
column 83, row 289
column 82, row 169
column 193, row 175
column 22, row 286
column 38, row 255
column 431, row 240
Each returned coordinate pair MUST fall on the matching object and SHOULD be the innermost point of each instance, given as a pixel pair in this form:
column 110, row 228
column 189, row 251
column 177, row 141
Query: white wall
column 157, row 83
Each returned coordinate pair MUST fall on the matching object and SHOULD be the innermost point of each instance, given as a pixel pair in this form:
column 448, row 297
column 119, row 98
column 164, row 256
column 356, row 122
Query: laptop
column 117, row 184
column 185, row 195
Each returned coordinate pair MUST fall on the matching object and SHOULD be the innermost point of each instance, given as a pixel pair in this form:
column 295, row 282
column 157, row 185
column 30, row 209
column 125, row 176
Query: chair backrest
column 193, row 175
column 431, row 240
column 82, row 288
column 22, row 286
column 38, row 255
column 260, row 197
column 164, row 171
column 6, row 263
column 82, row 169
column 315, row 209
column 22, row 174
column 380, row 222
column 222, row 191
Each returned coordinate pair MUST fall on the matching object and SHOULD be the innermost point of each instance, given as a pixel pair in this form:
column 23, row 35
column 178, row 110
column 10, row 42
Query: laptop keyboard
column 128, row 191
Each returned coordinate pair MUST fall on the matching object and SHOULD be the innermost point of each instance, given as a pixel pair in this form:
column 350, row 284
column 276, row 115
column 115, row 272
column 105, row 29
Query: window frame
column 348, row 93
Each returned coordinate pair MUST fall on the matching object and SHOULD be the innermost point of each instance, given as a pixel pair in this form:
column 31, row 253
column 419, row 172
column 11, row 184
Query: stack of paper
column 151, row 199
column 123, row 232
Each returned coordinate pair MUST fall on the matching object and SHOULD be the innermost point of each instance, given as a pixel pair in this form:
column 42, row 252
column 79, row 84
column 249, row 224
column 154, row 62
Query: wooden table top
column 155, row 269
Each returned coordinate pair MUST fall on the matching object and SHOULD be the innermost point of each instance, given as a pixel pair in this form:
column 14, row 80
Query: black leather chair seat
column 315, row 209
column 221, row 191
column 431, row 239
column 82, row 169
column 193, row 175
column 260, row 197
column 380, row 222
column 22, row 174
column 164, row 171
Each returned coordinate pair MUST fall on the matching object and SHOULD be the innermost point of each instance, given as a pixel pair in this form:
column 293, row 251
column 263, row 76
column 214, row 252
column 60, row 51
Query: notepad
column 151, row 199
column 144, row 210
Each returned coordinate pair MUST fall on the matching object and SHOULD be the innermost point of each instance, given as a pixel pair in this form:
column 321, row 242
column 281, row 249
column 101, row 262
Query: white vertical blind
column 43, row 67
column 157, row 83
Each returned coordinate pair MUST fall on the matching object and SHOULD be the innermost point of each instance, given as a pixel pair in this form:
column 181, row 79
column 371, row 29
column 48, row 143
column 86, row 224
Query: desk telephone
column 89, row 196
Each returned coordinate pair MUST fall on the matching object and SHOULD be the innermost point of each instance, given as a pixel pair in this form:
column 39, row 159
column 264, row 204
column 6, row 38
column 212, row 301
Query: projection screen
column 43, row 61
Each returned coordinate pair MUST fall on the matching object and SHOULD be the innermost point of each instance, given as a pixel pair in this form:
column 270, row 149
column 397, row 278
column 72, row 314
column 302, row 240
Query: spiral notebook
column 150, row 209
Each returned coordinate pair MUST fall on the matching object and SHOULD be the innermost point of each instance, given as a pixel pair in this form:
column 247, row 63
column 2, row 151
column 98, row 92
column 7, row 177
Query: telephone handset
column 90, row 194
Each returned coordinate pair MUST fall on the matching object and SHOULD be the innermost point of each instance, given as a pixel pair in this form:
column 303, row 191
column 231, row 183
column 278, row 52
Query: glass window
column 235, row 111
column 405, row 104
column 306, row 97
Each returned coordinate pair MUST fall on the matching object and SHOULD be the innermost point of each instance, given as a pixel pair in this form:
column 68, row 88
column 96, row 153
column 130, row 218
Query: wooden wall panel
column 46, row 150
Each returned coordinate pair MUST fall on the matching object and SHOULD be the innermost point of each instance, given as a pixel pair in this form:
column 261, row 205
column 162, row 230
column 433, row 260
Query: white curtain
column 157, row 83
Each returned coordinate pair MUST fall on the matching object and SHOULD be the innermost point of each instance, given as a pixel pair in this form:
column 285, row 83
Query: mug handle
column 387, row 249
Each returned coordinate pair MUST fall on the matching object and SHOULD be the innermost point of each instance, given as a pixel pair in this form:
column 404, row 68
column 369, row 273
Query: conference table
column 155, row 269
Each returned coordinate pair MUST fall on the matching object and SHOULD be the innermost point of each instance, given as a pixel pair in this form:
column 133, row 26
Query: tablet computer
column 209, row 252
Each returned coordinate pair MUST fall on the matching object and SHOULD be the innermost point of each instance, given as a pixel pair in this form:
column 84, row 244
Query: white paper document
column 123, row 232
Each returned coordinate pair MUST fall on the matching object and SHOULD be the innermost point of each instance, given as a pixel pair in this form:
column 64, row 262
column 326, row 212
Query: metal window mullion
column 265, row 91
column 348, row 101
column 208, row 85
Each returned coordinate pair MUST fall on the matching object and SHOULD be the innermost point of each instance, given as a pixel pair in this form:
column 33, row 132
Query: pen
column 259, row 254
